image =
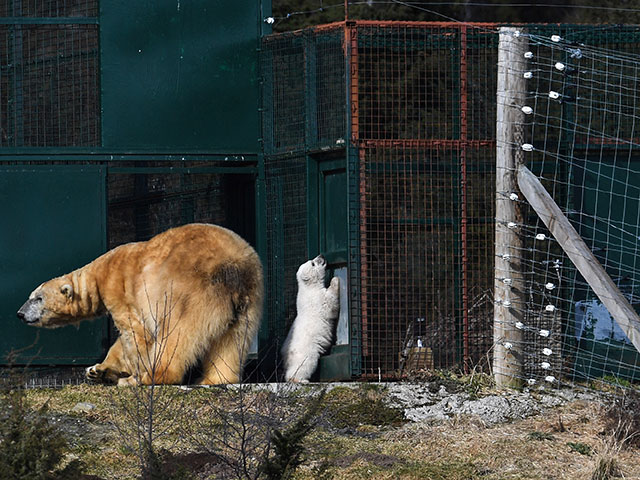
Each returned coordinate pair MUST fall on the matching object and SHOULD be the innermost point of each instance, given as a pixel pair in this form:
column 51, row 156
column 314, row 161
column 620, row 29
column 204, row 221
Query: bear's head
column 50, row 305
column 312, row 272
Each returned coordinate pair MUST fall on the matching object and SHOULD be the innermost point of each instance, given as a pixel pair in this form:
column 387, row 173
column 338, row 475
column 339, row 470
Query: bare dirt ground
column 430, row 430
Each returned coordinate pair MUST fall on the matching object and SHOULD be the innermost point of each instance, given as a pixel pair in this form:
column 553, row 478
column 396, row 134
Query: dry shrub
column 622, row 418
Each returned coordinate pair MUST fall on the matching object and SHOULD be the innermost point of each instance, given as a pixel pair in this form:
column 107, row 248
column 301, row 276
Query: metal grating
column 286, row 215
column 49, row 74
column 426, row 140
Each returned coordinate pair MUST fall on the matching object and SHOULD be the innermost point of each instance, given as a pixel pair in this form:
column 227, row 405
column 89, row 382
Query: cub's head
column 312, row 272
column 50, row 305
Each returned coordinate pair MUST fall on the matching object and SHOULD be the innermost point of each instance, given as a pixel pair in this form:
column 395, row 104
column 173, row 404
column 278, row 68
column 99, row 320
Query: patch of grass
column 620, row 382
column 456, row 470
column 606, row 468
column 354, row 407
column 581, row 448
column 540, row 436
column 622, row 419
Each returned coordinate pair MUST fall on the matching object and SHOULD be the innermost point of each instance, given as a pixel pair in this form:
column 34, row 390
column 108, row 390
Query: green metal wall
column 180, row 75
column 53, row 222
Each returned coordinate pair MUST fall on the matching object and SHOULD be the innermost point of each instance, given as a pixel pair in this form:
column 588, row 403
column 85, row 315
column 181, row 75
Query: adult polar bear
column 193, row 293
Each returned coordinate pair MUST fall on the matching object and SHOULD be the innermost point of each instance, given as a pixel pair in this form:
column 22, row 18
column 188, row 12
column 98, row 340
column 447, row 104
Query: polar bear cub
column 312, row 330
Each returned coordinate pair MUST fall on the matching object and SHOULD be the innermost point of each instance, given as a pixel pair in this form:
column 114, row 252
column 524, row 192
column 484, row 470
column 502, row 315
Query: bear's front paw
column 94, row 373
column 129, row 381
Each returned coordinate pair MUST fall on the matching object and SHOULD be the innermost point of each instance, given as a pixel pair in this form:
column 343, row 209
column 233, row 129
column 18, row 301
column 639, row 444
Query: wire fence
column 420, row 129
column 581, row 142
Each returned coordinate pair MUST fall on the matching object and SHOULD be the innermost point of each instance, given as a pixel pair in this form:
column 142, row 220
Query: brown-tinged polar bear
column 191, row 294
column 312, row 330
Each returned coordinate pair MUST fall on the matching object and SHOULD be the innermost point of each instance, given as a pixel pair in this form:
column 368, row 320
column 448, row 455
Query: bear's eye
column 38, row 298
column 313, row 264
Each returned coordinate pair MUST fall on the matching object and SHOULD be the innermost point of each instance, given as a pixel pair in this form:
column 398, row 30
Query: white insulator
column 556, row 38
column 541, row 236
column 550, row 378
column 507, row 345
column 550, row 286
column 527, row 75
column 550, row 308
column 505, row 256
column 527, row 110
column 519, row 325
column 544, row 333
column 512, row 224
column 531, row 381
column 516, row 33
column 513, row 196
column 506, row 303
column 545, row 365
column 507, row 281
column 554, row 95
column 269, row 20
column 560, row 66
column 527, row 147
column 528, row 54
column 547, row 351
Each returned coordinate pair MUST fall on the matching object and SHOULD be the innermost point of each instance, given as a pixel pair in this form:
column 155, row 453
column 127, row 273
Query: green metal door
column 328, row 235
column 53, row 221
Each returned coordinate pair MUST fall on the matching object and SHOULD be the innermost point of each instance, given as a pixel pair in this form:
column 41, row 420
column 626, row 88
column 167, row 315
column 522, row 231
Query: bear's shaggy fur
column 312, row 330
column 191, row 294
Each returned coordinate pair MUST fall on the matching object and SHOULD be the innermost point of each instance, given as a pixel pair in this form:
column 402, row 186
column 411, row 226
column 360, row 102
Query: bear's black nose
column 21, row 315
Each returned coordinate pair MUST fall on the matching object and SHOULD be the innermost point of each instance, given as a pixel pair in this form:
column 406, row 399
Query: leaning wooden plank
column 578, row 252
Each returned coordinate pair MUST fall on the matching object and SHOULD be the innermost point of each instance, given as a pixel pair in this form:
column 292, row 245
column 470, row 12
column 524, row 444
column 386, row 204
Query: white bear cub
column 312, row 330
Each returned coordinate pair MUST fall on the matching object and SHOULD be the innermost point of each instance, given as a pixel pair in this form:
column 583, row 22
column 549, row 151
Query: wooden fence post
column 509, row 297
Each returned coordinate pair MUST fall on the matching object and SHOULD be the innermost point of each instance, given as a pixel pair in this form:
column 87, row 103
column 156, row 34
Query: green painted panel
column 608, row 200
column 180, row 75
column 337, row 365
column 53, row 221
column 606, row 194
column 333, row 211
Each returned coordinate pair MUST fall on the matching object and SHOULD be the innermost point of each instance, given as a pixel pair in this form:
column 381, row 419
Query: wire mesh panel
column 49, row 74
column 427, row 167
column 411, row 222
column 287, row 238
column 408, row 82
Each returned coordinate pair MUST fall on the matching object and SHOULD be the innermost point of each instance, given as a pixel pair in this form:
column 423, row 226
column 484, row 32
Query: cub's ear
column 67, row 290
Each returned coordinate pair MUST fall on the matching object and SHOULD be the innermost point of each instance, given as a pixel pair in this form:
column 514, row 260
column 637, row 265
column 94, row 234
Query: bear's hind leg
column 223, row 362
column 225, row 359
column 166, row 363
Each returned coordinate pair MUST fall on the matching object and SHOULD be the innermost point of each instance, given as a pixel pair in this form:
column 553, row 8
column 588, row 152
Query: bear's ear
column 67, row 290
